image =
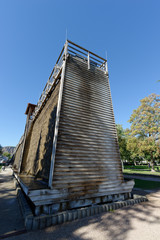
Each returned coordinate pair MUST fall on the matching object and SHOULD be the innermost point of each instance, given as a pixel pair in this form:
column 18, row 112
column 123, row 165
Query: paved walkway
column 11, row 219
column 140, row 222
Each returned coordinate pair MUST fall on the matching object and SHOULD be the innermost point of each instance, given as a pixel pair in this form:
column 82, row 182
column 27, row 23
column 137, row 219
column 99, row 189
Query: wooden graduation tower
column 69, row 156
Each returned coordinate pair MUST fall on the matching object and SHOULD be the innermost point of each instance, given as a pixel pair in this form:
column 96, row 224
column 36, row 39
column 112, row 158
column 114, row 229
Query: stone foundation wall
column 69, row 205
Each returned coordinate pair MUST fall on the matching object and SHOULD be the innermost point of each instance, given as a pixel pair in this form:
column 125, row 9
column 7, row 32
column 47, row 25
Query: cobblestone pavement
column 140, row 222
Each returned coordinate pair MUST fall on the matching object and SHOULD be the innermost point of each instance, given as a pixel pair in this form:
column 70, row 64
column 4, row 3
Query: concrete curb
column 39, row 222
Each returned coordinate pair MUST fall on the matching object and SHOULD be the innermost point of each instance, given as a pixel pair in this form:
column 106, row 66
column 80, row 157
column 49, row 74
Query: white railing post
column 66, row 49
column 106, row 68
column 58, row 116
column 88, row 61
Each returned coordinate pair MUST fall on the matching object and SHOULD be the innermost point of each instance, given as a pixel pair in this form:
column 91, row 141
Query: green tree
column 7, row 154
column 144, row 134
column 122, row 140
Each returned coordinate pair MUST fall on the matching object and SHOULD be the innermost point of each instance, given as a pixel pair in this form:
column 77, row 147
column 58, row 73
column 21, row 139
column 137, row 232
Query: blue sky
column 34, row 31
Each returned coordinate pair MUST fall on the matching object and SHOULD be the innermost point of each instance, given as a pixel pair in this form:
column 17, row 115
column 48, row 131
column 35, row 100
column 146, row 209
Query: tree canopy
column 122, row 140
column 145, row 120
column 144, row 133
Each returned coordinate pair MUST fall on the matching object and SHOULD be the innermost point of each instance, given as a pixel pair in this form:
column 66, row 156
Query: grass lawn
column 128, row 171
column 144, row 184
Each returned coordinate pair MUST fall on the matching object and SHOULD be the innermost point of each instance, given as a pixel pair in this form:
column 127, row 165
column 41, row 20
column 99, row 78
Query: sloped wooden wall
column 39, row 142
column 87, row 161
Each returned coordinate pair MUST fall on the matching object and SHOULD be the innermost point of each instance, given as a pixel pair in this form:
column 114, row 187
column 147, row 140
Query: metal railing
column 90, row 57
column 49, row 85
column 74, row 50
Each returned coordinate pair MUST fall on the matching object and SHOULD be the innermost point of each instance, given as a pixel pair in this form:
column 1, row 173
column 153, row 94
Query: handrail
column 60, row 55
column 86, row 50
column 78, row 51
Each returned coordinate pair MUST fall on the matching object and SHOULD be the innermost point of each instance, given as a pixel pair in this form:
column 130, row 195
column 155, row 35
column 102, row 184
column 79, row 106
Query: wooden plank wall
column 87, row 160
column 17, row 157
column 38, row 145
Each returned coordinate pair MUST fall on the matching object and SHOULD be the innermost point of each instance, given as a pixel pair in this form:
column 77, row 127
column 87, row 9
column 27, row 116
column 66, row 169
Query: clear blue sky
column 32, row 33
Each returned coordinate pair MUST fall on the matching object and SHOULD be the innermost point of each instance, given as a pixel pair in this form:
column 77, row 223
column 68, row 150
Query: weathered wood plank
column 39, row 200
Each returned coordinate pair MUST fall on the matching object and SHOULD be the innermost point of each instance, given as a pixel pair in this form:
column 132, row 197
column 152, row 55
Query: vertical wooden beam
column 106, row 68
column 88, row 61
column 24, row 140
column 113, row 115
column 58, row 115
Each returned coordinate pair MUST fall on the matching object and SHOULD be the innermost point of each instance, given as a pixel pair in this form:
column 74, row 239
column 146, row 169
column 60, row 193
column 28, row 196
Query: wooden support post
column 58, row 115
column 106, row 68
column 30, row 110
column 88, row 61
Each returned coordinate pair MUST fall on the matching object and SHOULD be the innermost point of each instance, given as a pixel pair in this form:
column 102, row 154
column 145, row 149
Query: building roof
column 30, row 105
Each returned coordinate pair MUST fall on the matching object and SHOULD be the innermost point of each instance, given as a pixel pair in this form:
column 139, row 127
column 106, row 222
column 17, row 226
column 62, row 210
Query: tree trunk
column 152, row 163
column 152, row 166
column 135, row 163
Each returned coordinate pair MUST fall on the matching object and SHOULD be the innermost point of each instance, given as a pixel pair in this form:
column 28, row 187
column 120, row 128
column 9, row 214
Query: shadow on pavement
column 116, row 225
column 10, row 216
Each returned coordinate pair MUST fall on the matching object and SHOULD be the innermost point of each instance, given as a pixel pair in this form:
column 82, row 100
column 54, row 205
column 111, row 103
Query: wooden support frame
column 88, row 61
column 112, row 111
column 58, row 116
column 106, row 68
column 24, row 139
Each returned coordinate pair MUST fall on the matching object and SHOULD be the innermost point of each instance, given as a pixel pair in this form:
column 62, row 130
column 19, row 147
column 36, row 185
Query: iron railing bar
column 52, row 72
column 86, row 50
column 99, row 65
column 96, row 62
column 52, row 87
column 76, row 54
column 85, row 54
column 77, row 50
column 103, row 64
column 96, row 59
column 60, row 55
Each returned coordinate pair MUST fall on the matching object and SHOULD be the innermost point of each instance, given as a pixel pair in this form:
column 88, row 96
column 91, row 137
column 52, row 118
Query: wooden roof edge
column 30, row 105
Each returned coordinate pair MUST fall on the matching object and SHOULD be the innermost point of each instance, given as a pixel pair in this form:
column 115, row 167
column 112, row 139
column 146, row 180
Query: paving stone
column 79, row 213
column 88, row 212
column 92, row 211
column 49, row 221
column 65, row 219
column 54, row 220
column 42, row 222
column 60, row 218
column 83, row 213
column 35, row 225
column 70, row 216
column 29, row 222
column 75, row 215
